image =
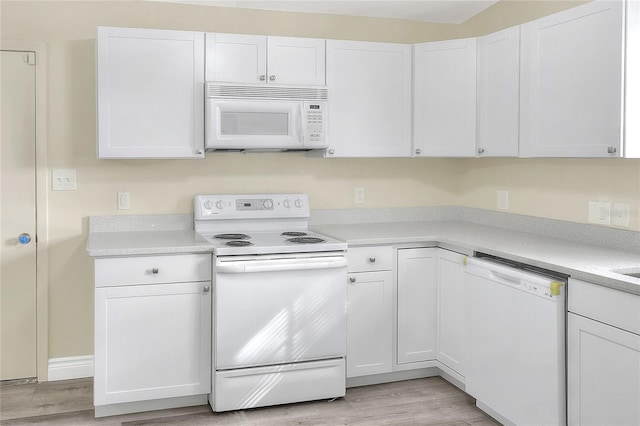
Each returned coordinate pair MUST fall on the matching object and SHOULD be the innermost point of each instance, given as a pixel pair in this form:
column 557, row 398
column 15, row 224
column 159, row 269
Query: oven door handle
column 240, row 267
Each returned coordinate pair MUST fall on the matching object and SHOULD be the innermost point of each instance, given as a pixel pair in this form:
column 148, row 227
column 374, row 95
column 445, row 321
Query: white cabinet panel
column 632, row 82
column 445, row 98
column 368, row 259
column 416, row 305
column 451, row 315
column 152, row 341
column 370, row 91
column 369, row 323
column 603, row 374
column 238, row 58
column 296, row 61
column 150, row 93
column 498, row 80
column 571, row 83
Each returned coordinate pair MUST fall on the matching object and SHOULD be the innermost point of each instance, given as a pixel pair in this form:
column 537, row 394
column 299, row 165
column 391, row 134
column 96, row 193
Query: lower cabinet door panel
column 152, row 341
column 603, row 374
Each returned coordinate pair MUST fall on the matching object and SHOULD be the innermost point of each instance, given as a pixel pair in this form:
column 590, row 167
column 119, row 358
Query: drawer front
column 116, row 271
column 604, row 304
column 366, row 259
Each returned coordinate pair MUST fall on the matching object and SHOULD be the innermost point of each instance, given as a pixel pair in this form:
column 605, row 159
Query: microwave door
column 253, row 124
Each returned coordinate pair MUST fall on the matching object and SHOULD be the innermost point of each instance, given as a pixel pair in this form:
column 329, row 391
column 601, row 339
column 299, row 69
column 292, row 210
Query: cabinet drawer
column 365, row 259
column 605, row 304
column 117, row 271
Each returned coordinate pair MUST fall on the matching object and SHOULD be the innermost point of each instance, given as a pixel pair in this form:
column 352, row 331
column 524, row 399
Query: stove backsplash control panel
column 214, row 207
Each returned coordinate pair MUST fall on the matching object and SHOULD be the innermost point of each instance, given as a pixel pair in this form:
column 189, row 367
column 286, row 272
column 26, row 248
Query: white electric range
column 280, row 301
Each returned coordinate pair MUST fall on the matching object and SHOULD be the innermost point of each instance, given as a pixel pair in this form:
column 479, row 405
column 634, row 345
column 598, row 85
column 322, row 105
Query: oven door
column 279, row 310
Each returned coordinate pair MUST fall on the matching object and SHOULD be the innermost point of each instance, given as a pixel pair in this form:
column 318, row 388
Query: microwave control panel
column 315, row 117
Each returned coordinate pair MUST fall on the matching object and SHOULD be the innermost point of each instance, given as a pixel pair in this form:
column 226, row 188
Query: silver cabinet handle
column 263, row 77
column 612, row 150
column 272, row 77
column 331, row 152
column 352, row 279
column 24, row 238
column 155, row 271
column 372, row 259
column 200, row 152
column 480, row 150
column 418, row 151
column 206, row 289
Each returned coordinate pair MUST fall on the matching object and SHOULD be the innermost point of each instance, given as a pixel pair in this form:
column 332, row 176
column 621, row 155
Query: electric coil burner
column 279, row 301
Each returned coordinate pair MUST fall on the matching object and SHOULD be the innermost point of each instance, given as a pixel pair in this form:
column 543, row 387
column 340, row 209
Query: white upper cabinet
column 632, row 82
column 254, row 59
column 572, row 83
column 370, row 99
column 498, row 80
column 150, row 93
column 445, row 98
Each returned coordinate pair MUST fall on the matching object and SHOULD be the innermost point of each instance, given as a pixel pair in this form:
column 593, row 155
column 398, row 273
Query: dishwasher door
column 515, row 334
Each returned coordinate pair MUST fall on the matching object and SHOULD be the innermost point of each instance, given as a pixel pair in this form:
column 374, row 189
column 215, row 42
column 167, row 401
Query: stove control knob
column 298, row 203
column 207, row 205
column 220, row 204
column 287, row 203
column 267, row 204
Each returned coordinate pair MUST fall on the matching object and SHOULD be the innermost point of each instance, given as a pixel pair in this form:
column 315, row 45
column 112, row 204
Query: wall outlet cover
column 63, row 179
column 620, row 214
column 123, row 201
column 358, row 195
column 503, row 199
column 600, row 212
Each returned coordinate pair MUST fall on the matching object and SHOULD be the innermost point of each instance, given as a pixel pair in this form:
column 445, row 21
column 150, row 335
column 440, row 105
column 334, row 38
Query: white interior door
column 17, row 216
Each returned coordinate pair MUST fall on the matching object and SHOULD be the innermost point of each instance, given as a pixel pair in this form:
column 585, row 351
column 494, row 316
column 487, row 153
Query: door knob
column 24, row 238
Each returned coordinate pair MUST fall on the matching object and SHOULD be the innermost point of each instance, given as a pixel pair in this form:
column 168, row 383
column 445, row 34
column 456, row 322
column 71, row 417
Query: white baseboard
column 74, row 367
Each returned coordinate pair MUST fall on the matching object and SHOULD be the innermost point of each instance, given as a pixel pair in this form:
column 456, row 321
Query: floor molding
column 74, row 367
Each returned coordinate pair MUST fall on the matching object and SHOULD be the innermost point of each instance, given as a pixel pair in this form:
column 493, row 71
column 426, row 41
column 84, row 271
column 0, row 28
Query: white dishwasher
column 515, row 332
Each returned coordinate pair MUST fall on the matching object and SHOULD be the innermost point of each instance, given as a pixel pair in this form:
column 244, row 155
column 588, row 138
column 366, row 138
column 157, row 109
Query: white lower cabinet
column 370, row 312
column 152, row 341
column 450, row 311
column 416, row 304
column 603, row 356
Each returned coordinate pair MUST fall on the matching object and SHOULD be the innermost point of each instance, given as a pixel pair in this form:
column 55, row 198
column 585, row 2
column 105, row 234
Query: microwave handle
column 300, row 124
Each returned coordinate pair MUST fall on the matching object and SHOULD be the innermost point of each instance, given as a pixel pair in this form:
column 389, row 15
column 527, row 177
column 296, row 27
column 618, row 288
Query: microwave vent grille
column 266, row 92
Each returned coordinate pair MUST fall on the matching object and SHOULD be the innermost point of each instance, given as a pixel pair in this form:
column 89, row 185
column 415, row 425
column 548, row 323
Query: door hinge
column 30, row 58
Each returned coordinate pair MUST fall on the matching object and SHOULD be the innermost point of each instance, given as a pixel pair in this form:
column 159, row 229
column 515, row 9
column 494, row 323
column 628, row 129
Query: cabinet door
column 296, row 61
column 150, row 87
column 498, row 82
column 451, row 310
column 571, row 83
column 445, row 98
column 416, row 305
column 152, row 341
column 370, row 91
column 369, row 323
column 603, row 374
column 237, row 58
column 632, row 82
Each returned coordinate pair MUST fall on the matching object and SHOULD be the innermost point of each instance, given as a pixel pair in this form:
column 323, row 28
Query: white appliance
column 280, row 301
column 515, row 332
column 265, row 118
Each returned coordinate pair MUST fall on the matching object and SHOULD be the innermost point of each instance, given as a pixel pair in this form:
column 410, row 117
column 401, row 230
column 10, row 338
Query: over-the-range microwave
column 265, row 118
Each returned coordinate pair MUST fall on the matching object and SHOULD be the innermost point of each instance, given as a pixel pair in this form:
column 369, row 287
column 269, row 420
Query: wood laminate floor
column 431, row 401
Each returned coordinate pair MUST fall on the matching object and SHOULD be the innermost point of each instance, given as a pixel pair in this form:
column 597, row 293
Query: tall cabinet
column 150, row 93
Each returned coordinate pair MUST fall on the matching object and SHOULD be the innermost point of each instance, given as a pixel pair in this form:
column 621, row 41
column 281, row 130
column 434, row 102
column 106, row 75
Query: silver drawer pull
column 155, row 271
column 372, row 259
column 352, row 279
column 206, row 289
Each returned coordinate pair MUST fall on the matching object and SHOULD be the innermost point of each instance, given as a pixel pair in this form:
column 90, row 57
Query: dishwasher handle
column 277, row 265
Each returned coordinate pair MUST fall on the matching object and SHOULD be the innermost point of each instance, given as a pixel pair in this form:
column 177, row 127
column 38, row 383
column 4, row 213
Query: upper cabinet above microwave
column 255, row 59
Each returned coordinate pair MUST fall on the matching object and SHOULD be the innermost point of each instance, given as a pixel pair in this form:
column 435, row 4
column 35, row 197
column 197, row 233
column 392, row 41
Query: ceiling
column 440, row 11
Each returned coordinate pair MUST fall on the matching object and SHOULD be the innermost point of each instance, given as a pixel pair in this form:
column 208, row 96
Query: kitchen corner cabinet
column 370, row 311
column 416, row 304
column 572, row 82
column 603, row 356
column 152, row 328
column 498, row 84
column 445, row 98
column 370, row 99
column 450, row 302
column 150, row 93
column 255, row 59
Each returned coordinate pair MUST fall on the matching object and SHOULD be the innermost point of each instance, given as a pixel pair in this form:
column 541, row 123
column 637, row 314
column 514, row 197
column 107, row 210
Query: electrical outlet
column 600, row 212
column 123, row 201
column 620, row 214
column 63, row 179
column 358, row 195
column 503, row 199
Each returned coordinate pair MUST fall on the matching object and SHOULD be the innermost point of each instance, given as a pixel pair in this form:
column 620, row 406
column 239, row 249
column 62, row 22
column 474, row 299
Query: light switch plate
column 358, row 195
column 63, row 179
column 620, row 214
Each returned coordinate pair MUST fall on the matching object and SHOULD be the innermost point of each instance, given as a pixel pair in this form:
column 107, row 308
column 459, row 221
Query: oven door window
column 276, row 317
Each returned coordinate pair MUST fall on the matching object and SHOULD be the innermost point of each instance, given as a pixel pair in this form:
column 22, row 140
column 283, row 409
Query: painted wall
column 547, row 188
